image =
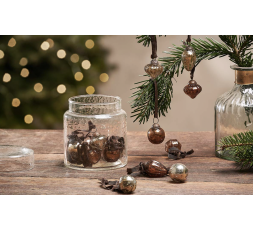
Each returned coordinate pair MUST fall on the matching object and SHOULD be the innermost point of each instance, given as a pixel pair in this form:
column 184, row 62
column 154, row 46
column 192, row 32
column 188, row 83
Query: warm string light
column 90, row 90
column 1, row 54
column 23, row 61
column 6, row 77
column 104, row 77
column 89, row 44
column 61, row 89
column 15, row 102
column 28, row 119
column 74, row 58
column 45, row 45
column 24, row 72
column 12, row 42
column 38, row 87
column 78, row 76
column 51, row 42
column 61, row 54
column 86, row 64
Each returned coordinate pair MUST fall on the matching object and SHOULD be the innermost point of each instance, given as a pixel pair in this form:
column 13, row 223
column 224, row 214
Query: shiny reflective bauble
column 178, row 172
column 156, row 134
column 153, row 69
column 74, row 150
column 172, row 143
column 98, row 141
column 192, row 89
column 189, row 58
column 154, row 168
column 93, row 156
column 127, row 184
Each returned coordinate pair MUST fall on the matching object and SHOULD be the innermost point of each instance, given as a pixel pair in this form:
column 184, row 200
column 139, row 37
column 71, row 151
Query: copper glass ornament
column 156, row 134
column 192, row 89
column 172, row 143
column 154, row 69
column 189, row 58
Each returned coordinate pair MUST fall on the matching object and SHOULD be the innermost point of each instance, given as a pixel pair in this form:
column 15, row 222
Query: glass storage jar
column 234, row 109
column 95, row 129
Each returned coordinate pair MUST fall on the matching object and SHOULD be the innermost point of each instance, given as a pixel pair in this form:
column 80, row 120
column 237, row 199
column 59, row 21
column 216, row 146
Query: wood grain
column 207, row 174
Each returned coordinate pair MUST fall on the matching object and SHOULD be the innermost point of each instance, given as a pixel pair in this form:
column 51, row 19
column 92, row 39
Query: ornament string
column 154, row 55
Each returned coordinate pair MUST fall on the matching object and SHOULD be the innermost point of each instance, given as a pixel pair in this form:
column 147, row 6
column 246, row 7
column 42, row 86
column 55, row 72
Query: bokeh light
column 23, row 61
column 78, row 76
column 61, row 54
column 86, row 64
column 90, row 90
column 89, row 44
column 61, row 89
column 38, row 87
column 15, row 102
column 45, row 45
column 24, row 72
column 104, row 77
column 6, row 77
column 28, row 119
column 74, row 58
column 51, row 42
column 1, row 54
column 12, row 42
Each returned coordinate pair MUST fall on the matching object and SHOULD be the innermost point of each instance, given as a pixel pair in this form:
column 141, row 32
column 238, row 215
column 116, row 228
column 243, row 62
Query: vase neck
column 243, row 75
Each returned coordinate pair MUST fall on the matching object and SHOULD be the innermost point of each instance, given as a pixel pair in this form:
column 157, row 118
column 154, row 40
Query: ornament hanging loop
column 157, row 120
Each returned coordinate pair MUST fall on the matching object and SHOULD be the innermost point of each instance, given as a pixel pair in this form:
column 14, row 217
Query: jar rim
column 73, row 101
column 236, row 67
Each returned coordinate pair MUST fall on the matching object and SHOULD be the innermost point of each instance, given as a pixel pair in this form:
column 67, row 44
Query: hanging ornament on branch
column 189, row 61
column 155, row 134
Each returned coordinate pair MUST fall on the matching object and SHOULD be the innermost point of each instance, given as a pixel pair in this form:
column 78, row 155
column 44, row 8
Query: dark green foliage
column 45, row 67
column 236, row 47
column 240, row 146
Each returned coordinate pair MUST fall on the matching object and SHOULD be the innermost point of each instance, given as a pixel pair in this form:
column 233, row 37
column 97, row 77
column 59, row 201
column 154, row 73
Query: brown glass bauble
column 192, row 89
column 156, row 134
column 93, row 156
column 172, row 143
column 112, row 155
column 154, row 69
column 84, row 155
column 154, row 168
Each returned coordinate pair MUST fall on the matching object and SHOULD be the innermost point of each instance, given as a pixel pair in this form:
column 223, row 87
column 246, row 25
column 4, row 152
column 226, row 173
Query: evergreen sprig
column 240, row 147
column 237, row 48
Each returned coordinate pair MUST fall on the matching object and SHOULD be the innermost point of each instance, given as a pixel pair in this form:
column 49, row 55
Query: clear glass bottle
column 95, row 129
column 234, row 109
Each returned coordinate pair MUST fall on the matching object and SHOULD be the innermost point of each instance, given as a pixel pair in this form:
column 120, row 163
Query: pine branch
column 240, row 147
column 143, row 99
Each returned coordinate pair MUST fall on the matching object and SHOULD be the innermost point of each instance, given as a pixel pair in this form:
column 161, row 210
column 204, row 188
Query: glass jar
column 95, row 129
column 234, row 109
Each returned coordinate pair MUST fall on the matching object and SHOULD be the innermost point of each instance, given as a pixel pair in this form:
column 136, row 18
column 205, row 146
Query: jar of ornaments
column 95, row 129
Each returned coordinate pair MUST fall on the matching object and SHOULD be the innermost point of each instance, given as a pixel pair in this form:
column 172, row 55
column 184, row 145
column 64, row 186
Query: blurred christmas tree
column 40, row 73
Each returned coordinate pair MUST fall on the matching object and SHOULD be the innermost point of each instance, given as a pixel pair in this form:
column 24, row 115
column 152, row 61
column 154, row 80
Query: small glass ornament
column 189, row 58
column 154, row 69
column 156, row 134
column 178, row 172
column 192, row 89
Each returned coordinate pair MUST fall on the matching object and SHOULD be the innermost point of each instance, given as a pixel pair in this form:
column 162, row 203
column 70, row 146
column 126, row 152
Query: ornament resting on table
column 173, row 148
column 151, row 168
column 156, row 134
column 178, row 172
column 126, row 184
column 192, row 89
column 114, row 148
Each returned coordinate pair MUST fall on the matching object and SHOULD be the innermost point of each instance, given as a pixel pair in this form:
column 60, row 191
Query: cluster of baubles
column 192, row 89
column 152, row 168
column 90, row 151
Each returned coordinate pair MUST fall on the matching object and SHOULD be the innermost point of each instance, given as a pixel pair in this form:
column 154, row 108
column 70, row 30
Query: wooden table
column 207, row 174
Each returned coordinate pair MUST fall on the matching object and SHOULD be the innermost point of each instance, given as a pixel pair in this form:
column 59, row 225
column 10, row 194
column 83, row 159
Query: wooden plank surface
column 207, row 174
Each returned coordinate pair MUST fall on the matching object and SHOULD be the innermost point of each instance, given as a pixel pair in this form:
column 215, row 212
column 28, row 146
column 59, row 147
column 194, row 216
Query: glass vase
column 234, row 109
column 95, row 129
